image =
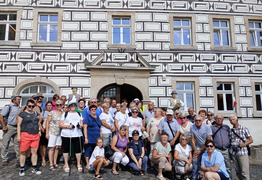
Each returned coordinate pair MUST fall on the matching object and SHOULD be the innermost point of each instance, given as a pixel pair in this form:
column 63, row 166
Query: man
column 143, row 108
column 74, row 96
column 170, row 126
column 150, row 112
column 199, row 133
column 107, row 100
column 174, row 102
column 221, row 139
column 40, row 100
column 10, row 129
column 28, row 135
column 210, row 118
column 86, row 112
column 112, row 109
column 191, row 116
column 240, row 138
column 38, row 109
column 63, row 99
column 131, row 105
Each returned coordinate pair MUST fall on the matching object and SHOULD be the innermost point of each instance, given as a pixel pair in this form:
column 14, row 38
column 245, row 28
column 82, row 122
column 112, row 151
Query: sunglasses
column 182, row 117
column 177, row 113
column 57, row 105
column 198, row 120
column 31, row 106
column 209, row 115
column 209, row 146
column 134, row 112
column 35, row 98
column 73, row 105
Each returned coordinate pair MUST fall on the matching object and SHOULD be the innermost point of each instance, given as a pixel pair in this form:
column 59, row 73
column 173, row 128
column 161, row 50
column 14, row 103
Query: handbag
column 109, row 151
column 181, row 155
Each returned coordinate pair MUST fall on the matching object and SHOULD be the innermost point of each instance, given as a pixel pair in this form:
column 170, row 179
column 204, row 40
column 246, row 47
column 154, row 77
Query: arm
column 85, row 133
column 113, row 144
column 63, row 126
column 48, row 120
column 130, row 150
column 175, row 138
column 103, row 121
column 169, row 158
column 116, row 125
column 3, row 123
column 39, row 124
column 19, row 122
column 249, row 141
column 215, row 168
column 176, row 157
column 157, row 156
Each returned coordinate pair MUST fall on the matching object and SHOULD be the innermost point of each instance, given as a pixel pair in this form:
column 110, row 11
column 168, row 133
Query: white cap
column 72, row 102
column 169, row 111
column 136, row 99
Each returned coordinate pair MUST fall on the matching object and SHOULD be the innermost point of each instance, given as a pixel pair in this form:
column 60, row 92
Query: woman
column 185, row 126
column 119, row 145
column 43, row 139
column 92, row 130
column 53, row 134
column 55, row 98
column 177, row 112
column 152, row 127
column 107, row 125
column 164, row 109
column 203, row 114
column 81, row 106
column 118, row 106
column 134, row 123
column 161, row 155
column 137, row 155
column 213, row 164
column 120, row 117
column 210, row 117
column 71, row 124
column 183, row 158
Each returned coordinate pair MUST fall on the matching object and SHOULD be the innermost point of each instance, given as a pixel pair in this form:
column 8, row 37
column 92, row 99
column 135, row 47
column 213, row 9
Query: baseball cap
column 169, row 112
column 135, row 132
column 136, row 99
column 72, row 102
column 13, row 97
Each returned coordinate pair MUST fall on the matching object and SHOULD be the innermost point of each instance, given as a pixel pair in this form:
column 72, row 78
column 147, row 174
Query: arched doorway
column 119, row 92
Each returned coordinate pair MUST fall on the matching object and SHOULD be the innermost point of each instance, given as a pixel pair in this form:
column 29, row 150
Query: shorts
column 75, row 141
column 29, row 140
column 222, row 176
column 43, row 140
column 89, row 149
column 54, row 140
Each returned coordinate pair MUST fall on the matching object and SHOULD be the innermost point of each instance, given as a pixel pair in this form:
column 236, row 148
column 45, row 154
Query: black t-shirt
column 30, row 123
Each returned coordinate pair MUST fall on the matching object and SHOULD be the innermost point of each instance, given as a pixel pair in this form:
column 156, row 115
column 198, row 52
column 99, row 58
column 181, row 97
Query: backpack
column 6, row 117
column 66, row 113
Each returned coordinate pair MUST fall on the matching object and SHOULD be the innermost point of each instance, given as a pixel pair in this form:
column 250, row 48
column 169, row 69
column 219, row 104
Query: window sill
column 249, row 48
column 125, row 46
column 257, row 114
column 228, row 113
column 182, row 47
column 46, row 44
column 223, row 48
column 9, row 43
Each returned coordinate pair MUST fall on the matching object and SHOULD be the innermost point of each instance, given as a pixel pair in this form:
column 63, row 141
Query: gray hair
column 232, row 115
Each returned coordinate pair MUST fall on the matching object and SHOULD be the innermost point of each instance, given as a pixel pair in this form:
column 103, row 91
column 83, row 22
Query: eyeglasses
column 184, row 139
column 93, row 109
column 182, row 117
column 134, row 112
column 31, row 106
column 209, row 146
column 93, row 102
column 177, row 113
column 73, row 105
column 209, row 115
column 35, row 98
column 57, row 105
column 198, row 120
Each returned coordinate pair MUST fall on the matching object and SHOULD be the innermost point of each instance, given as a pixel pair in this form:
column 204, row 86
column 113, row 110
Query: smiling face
column 93, row 111
column 49, row 107
column 164, row 139
column 99, row 143
column 198, row 121
column 134, row 113
column 122, row 131
column 219, row 120
column 72, row 107
column 210, row 147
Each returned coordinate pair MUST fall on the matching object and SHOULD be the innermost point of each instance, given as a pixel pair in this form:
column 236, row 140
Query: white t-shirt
column 109, row 121
column 180, row 149
column 97, row 152
column 121, row 118
column 134, row 124
column 74, row 119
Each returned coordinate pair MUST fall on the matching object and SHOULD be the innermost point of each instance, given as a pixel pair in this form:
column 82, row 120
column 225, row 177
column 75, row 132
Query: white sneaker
column 22, row 172
column 36, row 171
column 161, row 177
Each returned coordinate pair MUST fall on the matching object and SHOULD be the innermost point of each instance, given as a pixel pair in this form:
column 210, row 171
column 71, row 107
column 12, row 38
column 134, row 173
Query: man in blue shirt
column 86, row 112
column 200, row 133
column 150, row 112
column 170, row 126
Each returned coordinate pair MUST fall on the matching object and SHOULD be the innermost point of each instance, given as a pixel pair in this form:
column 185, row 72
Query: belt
column 12, row 125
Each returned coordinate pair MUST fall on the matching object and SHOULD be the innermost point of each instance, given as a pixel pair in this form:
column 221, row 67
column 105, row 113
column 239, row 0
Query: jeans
column 107, row 138
column 143, row 167
column 196, row 167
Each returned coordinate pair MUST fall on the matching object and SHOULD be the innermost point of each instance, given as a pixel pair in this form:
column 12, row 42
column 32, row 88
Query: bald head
column 219, row 119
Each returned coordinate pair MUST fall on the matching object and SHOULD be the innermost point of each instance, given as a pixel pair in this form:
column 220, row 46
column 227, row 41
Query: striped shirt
column 200, row 134
column 244, row 133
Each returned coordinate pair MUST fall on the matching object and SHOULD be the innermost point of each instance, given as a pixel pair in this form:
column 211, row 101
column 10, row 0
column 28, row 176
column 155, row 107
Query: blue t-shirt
column 163, row 126
column 216, row 158
column 200, row 134
column 93, row 128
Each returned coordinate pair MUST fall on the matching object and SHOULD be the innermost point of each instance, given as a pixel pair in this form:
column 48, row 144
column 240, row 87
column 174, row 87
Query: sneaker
column 22, row 172
column 36, row 171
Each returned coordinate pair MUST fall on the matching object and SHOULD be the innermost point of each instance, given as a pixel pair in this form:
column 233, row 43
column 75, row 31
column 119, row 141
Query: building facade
column 209, row 51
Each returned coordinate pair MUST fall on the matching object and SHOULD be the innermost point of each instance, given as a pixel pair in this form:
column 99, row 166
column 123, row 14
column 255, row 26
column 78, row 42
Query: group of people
column 188, row 145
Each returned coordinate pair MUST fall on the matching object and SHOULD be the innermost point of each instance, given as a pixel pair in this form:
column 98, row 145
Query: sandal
column 80, row 169
column 114, row 172
column 119, row 168
column 44, row 163
column 142, row 173
column 57, row 166
column 98, row 176
column 52, row 168
column 66, row 169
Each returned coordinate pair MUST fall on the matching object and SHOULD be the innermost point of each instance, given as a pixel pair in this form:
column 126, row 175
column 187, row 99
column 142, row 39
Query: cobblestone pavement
column 11, row 172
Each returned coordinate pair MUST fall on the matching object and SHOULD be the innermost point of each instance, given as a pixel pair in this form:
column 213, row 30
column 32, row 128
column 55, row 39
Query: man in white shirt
column 174, row 103
column 112, row 109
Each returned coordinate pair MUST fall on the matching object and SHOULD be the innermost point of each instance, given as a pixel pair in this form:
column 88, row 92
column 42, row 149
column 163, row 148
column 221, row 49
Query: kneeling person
column 28, row 135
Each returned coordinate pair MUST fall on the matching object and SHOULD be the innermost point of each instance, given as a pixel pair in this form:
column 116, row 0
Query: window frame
column 235, row 83
column 247, row 19
column 231, row 26
column 224, row 92
column 36, row 13
column 121, row 26
column 255, row 81
column 220, row 29
column 112, row 15
column 195, row 81
column 185, row 92
column 192, row 19
column 18, row 12
column 48, row 23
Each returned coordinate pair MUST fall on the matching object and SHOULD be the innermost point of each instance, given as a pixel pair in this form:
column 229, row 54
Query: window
column 225, row 97
column 29, row 91
column 255, row 33
column 182, row 35
column 7, row 27
column 121, row 30
column 182, row 31
column 221, row 33
column 185, row 92
column 258, row 90
column 47, row 27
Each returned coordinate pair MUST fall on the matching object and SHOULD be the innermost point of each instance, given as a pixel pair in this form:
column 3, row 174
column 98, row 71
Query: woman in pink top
column 55, row 98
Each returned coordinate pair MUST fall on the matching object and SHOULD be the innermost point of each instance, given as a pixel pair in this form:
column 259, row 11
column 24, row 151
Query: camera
column 235, row 148
column 73, row 126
